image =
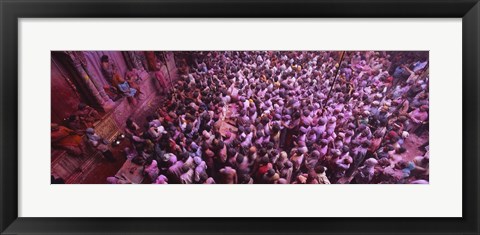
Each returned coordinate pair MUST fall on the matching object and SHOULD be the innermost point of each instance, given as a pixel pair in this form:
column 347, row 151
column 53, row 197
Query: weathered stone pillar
column 132, row 60
column 92, row 88
column 108, row 103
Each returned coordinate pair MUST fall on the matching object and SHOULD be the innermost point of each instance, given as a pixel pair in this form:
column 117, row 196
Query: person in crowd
column 87, row 115
column 100, row 144
column 66, row 139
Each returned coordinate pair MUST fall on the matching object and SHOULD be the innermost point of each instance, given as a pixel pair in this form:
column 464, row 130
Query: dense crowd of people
column 278, row 117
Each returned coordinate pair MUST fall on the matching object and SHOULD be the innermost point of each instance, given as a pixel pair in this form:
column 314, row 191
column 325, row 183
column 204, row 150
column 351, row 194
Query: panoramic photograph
column 240, row 117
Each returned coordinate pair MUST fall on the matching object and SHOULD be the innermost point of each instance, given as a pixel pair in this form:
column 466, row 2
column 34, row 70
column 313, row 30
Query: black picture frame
column 12, row 10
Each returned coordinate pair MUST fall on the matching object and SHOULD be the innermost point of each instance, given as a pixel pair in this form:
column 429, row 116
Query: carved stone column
column 108, row 103
column 132, row 60
column 94, row 91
